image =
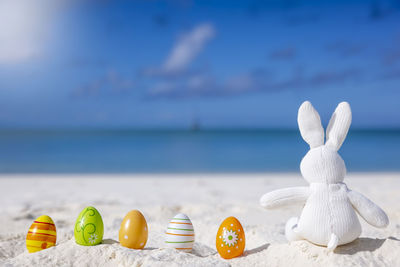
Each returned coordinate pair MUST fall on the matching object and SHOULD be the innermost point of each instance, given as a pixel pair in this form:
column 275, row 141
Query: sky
column 225, row 64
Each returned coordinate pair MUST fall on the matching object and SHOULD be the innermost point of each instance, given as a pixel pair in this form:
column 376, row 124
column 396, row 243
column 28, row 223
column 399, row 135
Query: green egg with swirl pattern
column 89, row 227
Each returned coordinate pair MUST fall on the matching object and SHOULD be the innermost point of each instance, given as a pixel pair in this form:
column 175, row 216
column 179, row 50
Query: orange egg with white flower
column 230, row 239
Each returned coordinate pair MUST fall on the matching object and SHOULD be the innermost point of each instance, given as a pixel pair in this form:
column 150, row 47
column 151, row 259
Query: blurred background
column 193, row 86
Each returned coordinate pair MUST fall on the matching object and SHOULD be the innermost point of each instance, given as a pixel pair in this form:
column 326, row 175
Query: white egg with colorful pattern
column 180, row 233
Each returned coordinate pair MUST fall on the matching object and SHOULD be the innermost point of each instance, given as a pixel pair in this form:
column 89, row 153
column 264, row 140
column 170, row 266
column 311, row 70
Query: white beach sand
column 206, row 199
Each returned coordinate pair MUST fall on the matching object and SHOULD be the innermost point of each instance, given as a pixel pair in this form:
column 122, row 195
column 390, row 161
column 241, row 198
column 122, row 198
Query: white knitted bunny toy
column 329, row 215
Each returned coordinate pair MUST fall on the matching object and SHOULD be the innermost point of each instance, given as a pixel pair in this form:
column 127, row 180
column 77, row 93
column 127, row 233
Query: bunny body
column 329, row 215
column 328, row 211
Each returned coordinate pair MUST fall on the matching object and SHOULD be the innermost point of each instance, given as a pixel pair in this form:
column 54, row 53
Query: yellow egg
column 230, row 240
column 133, row 231
column 41, row 235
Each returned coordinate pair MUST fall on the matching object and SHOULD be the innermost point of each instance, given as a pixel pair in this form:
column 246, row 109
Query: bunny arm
column 367, row 209
column 285, row 196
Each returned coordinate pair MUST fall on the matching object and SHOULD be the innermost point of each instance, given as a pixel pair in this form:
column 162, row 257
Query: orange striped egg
column 180, row 233
column 41, row 235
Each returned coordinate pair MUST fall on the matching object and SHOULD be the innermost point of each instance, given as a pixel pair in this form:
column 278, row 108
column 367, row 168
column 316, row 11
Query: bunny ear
column 310, row 125
column 338, row 126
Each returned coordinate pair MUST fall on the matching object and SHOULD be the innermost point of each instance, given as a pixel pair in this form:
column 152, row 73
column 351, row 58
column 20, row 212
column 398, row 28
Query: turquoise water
column 183, row 151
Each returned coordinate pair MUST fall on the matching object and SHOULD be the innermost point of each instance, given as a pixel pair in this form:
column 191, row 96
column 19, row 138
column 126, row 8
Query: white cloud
column 111, row 82
column 187, row 48
column 162, row 88
column 205, row 85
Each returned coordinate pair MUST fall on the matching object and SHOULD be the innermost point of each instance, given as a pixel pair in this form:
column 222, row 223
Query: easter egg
column 41, row 235
column 180, row 233
column 133, row 231
column 230, row 239
column 89, row 227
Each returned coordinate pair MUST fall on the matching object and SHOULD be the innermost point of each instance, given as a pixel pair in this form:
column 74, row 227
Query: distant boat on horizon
column 195, row 126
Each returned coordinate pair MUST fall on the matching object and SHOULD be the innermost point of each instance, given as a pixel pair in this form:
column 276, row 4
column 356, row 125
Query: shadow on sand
column 109, row 241
column 256, row 250
column 393, row 238
column 112, row 241
column 362, row 244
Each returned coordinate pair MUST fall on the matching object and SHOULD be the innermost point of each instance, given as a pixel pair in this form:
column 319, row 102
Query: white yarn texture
column 329, row 215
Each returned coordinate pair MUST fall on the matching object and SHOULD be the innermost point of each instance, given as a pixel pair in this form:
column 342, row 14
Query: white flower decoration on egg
column 230, row 238
column 92, row 238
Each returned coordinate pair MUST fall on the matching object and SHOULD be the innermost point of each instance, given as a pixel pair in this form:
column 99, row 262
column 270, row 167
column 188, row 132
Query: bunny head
column 323, row 164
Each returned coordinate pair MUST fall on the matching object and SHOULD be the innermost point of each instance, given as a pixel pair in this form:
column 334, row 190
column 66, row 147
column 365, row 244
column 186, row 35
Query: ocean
column 181, row 151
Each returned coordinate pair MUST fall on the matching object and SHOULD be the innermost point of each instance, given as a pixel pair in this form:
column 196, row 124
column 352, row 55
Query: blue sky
column 142, row 64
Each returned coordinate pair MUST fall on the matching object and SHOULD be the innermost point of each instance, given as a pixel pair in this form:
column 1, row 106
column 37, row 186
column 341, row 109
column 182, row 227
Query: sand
column 206, row 199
